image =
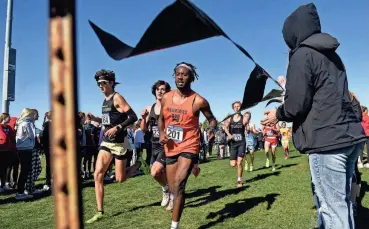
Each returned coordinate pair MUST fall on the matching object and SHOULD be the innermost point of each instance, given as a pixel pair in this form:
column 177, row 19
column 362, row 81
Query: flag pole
column 63, row 86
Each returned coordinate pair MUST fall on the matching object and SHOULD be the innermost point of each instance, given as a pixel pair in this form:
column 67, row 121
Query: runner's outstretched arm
column 123, row 106
column 206, row 111
column 163, row 136
column 226, row 128
column 145, row 117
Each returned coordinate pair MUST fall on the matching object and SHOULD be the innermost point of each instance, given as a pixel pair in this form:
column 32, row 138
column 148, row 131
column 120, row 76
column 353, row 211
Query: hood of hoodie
column 22, row 120
column 302, row 27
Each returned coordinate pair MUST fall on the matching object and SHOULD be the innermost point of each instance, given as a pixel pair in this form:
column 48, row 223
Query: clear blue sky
column 223, row 70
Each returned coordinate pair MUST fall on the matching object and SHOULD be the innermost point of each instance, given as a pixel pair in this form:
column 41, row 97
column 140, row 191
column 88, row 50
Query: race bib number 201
column 105, row 120
column 175, row 133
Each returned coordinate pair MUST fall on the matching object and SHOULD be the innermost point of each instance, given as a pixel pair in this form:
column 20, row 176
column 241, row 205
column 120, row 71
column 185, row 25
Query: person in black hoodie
column 325, row 126
column 46, row 147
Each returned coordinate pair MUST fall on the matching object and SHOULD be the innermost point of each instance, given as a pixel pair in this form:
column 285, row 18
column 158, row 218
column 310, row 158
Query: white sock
column 239, row 179
column 165, row 188
column 174, row 225
column 171, row 196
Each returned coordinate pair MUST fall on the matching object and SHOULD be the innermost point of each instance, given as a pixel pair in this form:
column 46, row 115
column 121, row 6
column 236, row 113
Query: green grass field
column 280, row 199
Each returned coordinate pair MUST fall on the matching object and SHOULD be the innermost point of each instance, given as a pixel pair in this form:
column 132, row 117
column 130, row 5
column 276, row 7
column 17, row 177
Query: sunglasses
column 102, row 83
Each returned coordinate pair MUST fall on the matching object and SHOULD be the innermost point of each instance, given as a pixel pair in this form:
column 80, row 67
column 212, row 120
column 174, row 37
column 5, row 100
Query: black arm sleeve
column 131, row 118
column 299, row 89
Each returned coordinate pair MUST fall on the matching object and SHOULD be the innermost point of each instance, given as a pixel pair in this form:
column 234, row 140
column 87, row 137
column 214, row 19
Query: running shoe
column 251, row 168
column 170, row 205
column 96, row 218
column 267, row 163
column 246, row 165
column 23, row 196
column 166, row 198
column 239, row 184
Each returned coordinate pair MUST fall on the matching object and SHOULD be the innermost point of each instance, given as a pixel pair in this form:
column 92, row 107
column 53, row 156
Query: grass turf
column 280, row 199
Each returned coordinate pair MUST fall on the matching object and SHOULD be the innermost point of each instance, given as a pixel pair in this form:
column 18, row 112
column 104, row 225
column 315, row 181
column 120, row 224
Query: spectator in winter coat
column 25, row 143
column 365, row 125
column 13, row 169
column 7, row 148
column 325, row 126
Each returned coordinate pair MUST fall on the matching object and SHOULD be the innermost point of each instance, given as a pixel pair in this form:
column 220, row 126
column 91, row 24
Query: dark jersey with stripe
column 237, row 130
column 154, row 129
column 111, row 117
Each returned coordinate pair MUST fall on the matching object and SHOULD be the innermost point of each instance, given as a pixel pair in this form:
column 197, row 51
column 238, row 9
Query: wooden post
column 64, row 156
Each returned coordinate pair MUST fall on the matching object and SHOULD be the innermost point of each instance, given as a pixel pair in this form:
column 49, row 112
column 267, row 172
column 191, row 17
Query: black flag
column 168, row 30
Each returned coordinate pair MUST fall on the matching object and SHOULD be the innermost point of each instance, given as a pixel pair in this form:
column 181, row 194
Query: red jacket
column 12, row 122
column 7, row 134
column 365, row 124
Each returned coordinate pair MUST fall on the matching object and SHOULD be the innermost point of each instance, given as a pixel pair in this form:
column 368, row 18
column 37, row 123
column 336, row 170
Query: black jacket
column 317, row 99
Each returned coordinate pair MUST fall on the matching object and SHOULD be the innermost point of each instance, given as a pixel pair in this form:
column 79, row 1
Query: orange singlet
column 181, row 126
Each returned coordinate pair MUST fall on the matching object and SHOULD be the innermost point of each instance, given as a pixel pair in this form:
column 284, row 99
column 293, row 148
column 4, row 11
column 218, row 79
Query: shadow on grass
column 201, row 191
column 263, row 176
column 213, row 196
column 237, row 208
column 287, row 166
column 296, row 156
column 361, row 221
column 139, row 207
column 35, row 198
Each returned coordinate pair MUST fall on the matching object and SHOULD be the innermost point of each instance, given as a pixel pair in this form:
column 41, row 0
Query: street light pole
column 8, row 38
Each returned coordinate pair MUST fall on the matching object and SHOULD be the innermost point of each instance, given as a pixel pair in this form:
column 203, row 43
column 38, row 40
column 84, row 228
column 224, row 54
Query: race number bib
column 269, row 133
column 155, row 131
column 105, row 120
column 237, row 137
column 175, row 133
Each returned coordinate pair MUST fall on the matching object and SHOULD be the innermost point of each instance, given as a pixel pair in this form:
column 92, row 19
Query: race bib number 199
column 105, row 120
column 175, row 133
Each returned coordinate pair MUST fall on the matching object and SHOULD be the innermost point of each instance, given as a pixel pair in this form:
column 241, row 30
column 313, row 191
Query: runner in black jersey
column 149, row 125
column 235, row 130
column 117, row 115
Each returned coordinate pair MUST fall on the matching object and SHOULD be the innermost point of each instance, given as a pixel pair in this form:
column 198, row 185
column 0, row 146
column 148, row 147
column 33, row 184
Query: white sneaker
column 46, row 187
column 23, row 196
column 170, row 205
column 166, row 198
column 360, row 165
column 273, row 168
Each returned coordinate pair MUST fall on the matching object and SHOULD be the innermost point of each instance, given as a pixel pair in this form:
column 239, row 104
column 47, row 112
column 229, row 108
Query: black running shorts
column 237, row 150
column 173, row 159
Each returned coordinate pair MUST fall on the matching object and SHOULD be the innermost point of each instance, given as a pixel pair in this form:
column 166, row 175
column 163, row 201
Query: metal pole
column 63, row 79
column 8, row 39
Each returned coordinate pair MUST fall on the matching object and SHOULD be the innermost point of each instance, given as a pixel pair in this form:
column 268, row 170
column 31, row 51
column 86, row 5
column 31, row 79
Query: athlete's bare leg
column 274, row 157
column 239, row 166
column 252, row 157
column 177, row 175
column 122, row 173
column 102, row 164
column 221, row 151
column 266, row 149
column 285, row 149
column 158, row 173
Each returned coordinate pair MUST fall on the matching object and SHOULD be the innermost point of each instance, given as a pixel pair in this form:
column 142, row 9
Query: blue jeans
column 331, row 174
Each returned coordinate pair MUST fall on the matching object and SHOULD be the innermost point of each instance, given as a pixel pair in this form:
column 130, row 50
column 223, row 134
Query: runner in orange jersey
column 180, row 133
